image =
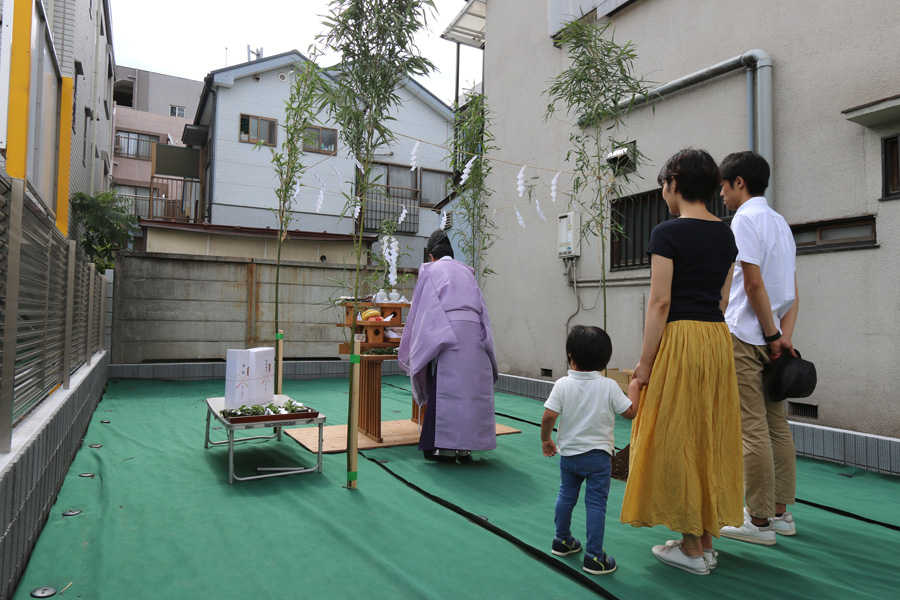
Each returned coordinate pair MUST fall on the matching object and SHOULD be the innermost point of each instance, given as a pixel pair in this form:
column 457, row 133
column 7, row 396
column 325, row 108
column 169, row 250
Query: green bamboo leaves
column 475, row 231
column 598, row 89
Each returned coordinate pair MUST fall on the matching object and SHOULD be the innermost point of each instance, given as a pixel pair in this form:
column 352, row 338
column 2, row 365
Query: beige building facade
column 832, row 144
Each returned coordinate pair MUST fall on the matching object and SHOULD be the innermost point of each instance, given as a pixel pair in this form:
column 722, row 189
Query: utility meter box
column 569, row 234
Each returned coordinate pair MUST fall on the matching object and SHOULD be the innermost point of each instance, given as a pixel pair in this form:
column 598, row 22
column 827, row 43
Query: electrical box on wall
column 569, row 235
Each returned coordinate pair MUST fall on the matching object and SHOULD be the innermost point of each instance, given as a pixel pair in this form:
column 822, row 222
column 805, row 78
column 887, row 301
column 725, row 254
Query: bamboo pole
column 353, row 417
column 279, row 362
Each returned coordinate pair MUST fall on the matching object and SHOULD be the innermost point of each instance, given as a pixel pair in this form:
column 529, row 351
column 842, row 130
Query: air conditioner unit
column 568, row 234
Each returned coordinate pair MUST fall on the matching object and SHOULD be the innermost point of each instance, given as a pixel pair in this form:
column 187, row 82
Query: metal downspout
column 765, row 129
column 213, row 132
column 751, row 113
column 761, row 62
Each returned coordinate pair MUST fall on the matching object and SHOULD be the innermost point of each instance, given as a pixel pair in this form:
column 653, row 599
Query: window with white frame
column 131, row 144
column 259, row 129
column 176, row 111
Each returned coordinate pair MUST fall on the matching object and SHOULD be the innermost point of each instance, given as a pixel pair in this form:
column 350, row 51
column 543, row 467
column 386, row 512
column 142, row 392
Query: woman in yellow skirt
column 685, row 468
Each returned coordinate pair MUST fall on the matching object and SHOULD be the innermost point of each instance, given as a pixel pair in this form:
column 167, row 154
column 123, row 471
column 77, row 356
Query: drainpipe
column 765, row 130
column 214, row 155
column 95, row 112
column 759, row 130
column 759, row 103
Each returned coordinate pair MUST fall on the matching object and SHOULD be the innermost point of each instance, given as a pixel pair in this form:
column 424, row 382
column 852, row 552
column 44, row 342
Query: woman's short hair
column 696, row 173
column 589, row 347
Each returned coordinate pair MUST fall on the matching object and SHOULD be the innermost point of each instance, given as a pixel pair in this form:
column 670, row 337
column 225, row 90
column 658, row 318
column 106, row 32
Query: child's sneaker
column 673, row 555
column 784, row 525
column 599, row 565
column 563, row 547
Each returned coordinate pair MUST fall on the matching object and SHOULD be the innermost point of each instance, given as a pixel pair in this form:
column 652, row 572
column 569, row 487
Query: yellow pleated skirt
column 686, row 459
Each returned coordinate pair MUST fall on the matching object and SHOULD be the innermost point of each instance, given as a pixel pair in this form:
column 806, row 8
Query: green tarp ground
column 160, row 521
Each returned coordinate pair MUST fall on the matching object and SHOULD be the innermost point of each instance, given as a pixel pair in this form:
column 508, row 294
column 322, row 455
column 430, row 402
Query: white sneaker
column 711, row 557
column 673, row 555
column 748, row 532
column 784, row 525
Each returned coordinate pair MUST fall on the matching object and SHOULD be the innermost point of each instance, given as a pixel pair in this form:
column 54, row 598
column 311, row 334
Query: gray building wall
column 81, row 32
column 156, row 92
column 825, row 167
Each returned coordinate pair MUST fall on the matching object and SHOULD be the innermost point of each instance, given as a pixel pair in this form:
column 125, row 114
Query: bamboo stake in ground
column 279, row 362
column 353, row 416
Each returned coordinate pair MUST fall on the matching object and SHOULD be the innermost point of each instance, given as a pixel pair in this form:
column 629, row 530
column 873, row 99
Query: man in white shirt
column 761, row 314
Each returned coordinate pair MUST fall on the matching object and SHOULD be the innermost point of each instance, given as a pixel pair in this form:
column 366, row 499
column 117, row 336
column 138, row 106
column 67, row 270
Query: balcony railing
column 172, row 199
column 387, row 203
column 130, row 147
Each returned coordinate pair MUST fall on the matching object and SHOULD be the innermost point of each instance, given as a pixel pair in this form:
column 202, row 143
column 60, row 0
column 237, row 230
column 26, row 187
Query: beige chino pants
column 770, row 473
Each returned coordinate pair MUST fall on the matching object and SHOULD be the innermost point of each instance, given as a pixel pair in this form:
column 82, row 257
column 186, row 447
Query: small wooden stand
column 373, row 330
column 370, row 365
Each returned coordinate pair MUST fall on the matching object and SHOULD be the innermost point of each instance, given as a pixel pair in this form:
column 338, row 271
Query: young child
column 585, row 403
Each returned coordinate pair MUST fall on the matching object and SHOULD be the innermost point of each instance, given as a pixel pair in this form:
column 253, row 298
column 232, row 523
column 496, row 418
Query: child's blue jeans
column 593, row 467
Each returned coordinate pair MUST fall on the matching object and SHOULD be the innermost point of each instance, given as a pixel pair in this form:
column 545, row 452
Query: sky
column 190, row 38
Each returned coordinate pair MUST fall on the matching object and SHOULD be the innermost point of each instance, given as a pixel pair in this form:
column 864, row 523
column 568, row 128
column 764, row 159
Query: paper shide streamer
column 390, row 249
column 413, row 157
column 467, row 170
column 537, row 206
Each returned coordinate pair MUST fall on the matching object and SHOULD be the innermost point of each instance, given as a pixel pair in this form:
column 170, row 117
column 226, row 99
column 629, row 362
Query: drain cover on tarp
column 71, row 513
column 95, row 446
column 85, row 474
column 43, row 592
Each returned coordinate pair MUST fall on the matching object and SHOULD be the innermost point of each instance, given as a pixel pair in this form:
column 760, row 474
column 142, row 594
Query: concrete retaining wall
column 182, row 308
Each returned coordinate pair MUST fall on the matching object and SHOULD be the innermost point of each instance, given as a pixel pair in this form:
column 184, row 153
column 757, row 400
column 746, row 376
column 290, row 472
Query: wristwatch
column 771, row 338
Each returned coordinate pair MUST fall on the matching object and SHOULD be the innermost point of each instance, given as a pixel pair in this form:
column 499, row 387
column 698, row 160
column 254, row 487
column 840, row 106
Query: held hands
column 549, row 447
column 642, row 375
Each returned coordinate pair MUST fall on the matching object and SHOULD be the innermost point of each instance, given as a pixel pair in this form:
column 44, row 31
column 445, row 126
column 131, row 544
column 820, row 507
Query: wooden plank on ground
column 394, row 433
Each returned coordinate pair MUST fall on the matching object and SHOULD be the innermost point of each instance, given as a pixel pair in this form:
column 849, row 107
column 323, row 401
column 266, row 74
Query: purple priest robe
column 448, row 350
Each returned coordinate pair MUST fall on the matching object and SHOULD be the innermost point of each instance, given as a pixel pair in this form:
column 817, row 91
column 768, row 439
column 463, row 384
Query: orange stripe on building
column 19, row 89
column 65, row 151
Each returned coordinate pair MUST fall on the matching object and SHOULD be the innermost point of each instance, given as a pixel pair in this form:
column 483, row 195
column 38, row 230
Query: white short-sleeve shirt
column 763, row 238
column 587, row 403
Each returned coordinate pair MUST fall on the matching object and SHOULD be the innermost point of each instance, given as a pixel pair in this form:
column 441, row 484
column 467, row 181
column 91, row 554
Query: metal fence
column 51, row 307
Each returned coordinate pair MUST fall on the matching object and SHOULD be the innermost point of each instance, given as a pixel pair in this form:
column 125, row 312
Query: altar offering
column 249, row 377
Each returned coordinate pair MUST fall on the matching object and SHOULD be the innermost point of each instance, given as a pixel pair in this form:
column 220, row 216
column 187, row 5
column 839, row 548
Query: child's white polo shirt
column 587, row 404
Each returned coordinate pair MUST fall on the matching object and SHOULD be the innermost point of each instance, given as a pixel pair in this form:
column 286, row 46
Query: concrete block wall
column 31, row 475
column 313, row 369
column 176, row 307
